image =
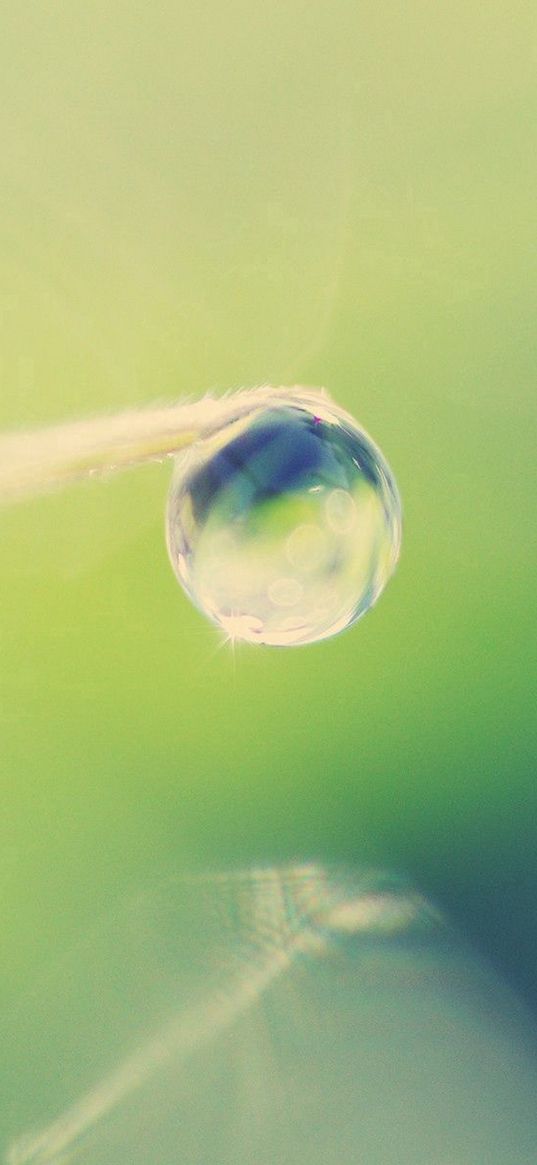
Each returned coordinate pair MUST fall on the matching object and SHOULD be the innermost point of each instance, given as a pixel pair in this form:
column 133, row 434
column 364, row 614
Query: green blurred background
column 213, row 195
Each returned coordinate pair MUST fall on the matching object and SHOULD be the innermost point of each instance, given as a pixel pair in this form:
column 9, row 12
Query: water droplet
column 286, row 525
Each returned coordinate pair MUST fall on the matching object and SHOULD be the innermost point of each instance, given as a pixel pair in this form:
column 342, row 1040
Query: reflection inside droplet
column 341, row 511
column 285, row 592
column 307, row 547
column 285, row 527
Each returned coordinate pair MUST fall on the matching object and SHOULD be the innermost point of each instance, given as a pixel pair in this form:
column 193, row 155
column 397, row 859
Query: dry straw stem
column 290, row 914
column 35, row 462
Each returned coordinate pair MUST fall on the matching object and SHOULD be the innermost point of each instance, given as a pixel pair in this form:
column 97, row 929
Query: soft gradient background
column 212, row 195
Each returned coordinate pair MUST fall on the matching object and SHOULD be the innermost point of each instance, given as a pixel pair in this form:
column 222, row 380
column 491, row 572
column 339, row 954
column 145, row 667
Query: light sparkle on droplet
column 285, row 528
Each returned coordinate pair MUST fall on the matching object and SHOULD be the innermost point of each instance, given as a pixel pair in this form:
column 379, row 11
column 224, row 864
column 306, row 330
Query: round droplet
column 284, row 526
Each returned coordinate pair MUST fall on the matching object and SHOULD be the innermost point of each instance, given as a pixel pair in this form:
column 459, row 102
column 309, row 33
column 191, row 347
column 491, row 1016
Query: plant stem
column 34, row 462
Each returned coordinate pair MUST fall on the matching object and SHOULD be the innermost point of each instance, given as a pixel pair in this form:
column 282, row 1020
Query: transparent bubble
column 284, row 526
